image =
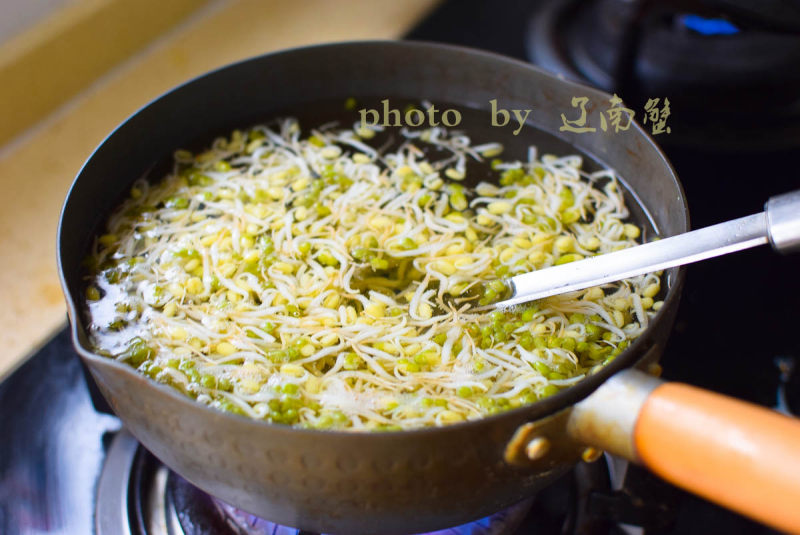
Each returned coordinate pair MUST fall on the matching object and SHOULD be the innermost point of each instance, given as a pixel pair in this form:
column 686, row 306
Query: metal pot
column 412, row 481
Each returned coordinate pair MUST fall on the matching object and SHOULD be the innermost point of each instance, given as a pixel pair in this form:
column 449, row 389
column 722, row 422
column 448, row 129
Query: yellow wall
column 48, row 64
column 37, row 168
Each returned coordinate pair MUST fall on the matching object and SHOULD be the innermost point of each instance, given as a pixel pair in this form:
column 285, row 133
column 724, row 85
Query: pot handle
column 739, row 455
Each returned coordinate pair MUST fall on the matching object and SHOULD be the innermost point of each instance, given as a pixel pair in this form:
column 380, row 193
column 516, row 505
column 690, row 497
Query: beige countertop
column 37, row 167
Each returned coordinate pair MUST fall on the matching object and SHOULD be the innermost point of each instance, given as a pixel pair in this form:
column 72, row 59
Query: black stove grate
column 158, row 502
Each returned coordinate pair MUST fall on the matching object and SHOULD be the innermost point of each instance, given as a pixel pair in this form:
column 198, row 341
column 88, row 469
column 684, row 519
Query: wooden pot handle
column 742, row 456
column 739, row 455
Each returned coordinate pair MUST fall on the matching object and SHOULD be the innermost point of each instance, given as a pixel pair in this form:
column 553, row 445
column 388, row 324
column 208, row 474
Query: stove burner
column 138, row 495
column 729, row 70
column 200, row 514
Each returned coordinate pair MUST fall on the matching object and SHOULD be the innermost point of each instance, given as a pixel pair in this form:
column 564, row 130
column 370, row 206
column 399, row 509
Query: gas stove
column 72, row 468
column 68, row 466
column 139, row 495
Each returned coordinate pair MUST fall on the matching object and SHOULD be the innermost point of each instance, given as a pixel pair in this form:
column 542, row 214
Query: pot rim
column 535, row 411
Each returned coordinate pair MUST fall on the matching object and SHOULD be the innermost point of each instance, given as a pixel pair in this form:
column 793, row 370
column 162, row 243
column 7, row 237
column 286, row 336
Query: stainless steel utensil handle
column 779, row 224
column 783, row 222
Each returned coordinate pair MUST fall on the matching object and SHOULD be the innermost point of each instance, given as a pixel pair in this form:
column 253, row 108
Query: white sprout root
column 314, row 281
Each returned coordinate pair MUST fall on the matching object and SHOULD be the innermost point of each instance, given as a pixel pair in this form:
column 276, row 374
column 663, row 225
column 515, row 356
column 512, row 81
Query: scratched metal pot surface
column 338, row 482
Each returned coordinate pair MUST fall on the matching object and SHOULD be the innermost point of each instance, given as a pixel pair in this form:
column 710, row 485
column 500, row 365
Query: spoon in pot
column 778, row 224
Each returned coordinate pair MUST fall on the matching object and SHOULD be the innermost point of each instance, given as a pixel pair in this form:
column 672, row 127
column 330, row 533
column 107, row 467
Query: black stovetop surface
column 738, row 315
